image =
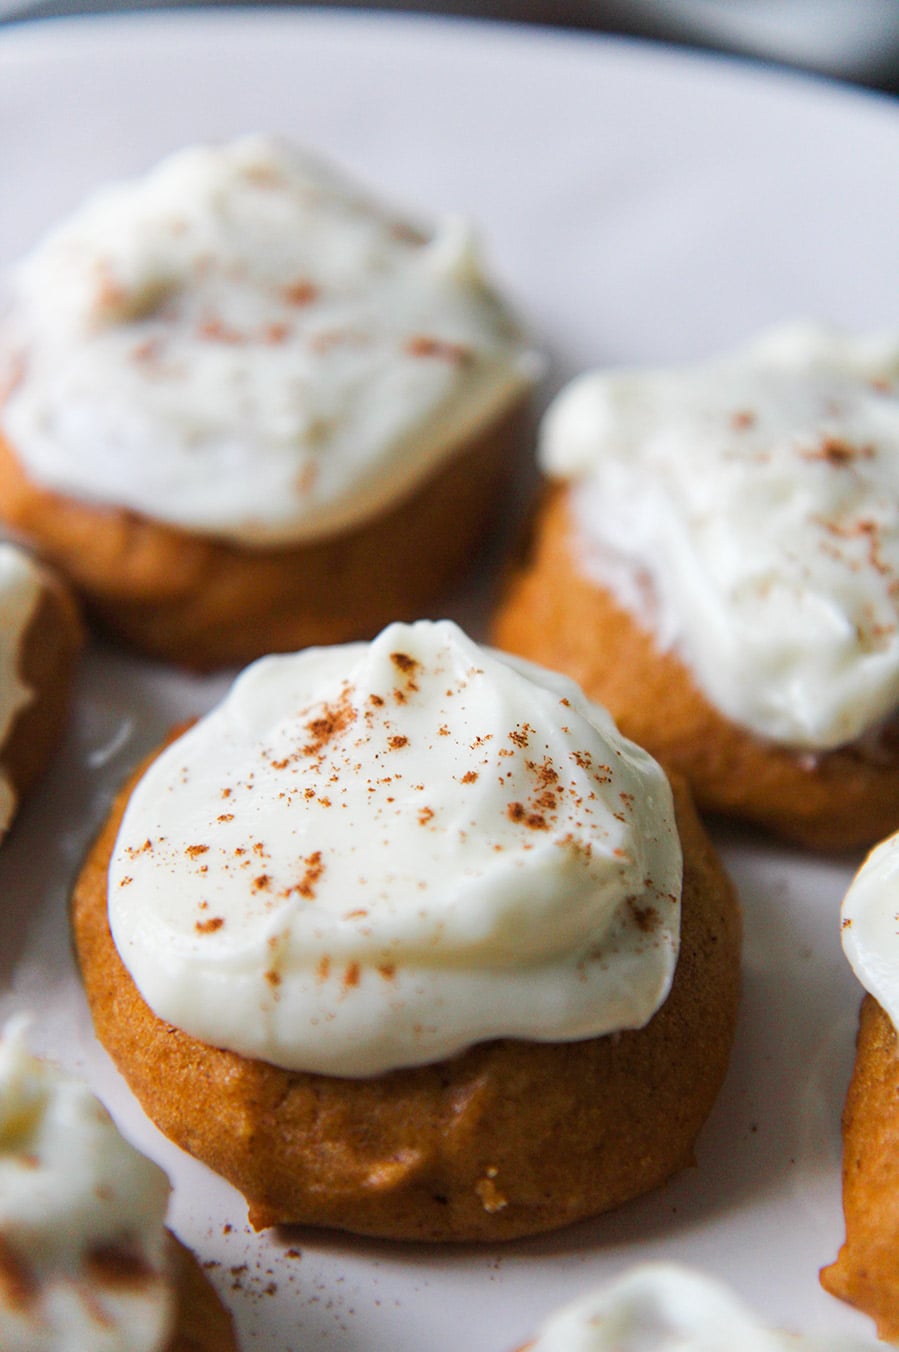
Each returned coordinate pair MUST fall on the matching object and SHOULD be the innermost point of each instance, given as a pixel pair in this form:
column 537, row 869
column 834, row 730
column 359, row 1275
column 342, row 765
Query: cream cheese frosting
column 870, row 932
column 243, row 343
column 758, row 496
column 374, row 855
column 20, row 588
column 83, row 1248
column 666, row 1307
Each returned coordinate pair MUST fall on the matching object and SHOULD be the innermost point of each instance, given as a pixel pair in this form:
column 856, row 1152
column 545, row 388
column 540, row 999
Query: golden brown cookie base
column 866, row 1271
column 202, row 1322
column 204, row 602
column 553, row 614
column 510, row 1138
column 48, row 655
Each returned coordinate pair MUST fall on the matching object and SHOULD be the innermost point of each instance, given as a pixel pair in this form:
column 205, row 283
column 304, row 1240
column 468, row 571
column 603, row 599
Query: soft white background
column 642, row 205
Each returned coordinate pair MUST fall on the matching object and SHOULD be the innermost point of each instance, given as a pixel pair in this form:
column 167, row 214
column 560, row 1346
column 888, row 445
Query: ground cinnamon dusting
column 408, row 666
column 149, row 351
column 334, row 719
column 214, row 923
column 422, row 345
column 274, row 334
column 314, row 870
column 215, row 330
column 517, row 812
column 300, row 293
column 646, row 918
column 839, row 453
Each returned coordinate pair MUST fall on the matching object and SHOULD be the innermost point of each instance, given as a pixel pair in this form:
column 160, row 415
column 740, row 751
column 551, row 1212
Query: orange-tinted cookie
column 866, row 1271
column 507, row 1139
column 41, row 641
column 553, row 613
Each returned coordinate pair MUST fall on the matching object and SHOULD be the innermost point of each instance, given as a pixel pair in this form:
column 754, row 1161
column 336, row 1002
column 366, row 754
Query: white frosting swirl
column 374, row 855
column 83, row 1248
column 870, row 931
column 244, row 344
column 20, row 587
column 759, row 495
column 664, row 1307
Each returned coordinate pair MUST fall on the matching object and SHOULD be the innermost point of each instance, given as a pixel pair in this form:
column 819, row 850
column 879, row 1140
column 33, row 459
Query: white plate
column 643, row 205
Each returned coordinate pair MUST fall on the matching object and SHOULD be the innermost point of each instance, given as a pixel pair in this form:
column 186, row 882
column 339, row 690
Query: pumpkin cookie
column 716, row 559
column 40, row 639
column 866, row 1271
column 425, row 930
column 248, row 408
column 85, row 1259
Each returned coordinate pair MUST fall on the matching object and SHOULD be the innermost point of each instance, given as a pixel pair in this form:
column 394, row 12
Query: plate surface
column 642, row 205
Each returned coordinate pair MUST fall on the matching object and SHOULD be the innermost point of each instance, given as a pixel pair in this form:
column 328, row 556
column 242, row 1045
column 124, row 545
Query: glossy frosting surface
column 374, row 855
column 746, row 509
column 243, row 343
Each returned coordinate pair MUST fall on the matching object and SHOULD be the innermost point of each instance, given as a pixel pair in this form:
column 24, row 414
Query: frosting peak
column 377, row 854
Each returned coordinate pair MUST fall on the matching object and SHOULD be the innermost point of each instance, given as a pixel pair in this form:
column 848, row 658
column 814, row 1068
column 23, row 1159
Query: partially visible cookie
column 866, row 1271
column 666, row 1307
column 437, row 941
column 85, row 1259
column 716, row 559
column 40, row 639
column 249, row 408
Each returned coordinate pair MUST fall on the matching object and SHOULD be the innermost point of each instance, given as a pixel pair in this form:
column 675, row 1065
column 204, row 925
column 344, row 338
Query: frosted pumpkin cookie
column 248, row 408
column 40, row 638
column 866, row 1272
column 665, row 1307
column 716, row 559
column 405, row 939
column 85, row 1258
